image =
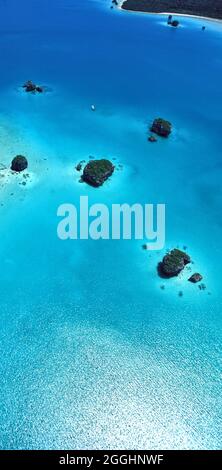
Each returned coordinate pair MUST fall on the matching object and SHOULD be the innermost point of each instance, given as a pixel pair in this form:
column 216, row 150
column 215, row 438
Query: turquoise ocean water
column 94, row 354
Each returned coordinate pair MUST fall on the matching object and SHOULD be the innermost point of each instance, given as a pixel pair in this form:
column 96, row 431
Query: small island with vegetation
column 31, row 87
column 204, row 8
column 19, row 163
column 96, row 172
column 173, row 263
column 161, row 127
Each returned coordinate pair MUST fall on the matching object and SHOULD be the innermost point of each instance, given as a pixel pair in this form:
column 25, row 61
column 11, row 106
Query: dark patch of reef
column 173, row 263
column 19, row 163
column 152, row 138
column 196, row 277
column 206, row 8
column 114, row 2
column 79, row 165
column 31, row 87
column 96, row 172
column 174, row 23
column 202, row 286
column 169, row 21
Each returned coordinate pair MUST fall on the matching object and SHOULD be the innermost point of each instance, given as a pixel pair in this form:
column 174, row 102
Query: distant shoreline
column 201, row 12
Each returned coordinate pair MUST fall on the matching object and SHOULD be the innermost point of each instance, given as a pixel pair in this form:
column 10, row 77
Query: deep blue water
column 93, row 353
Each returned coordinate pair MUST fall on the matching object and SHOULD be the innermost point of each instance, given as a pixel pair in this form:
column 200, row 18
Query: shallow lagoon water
column 93, row 353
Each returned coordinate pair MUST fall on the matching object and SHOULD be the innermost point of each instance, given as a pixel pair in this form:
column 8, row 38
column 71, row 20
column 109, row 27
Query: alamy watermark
column 121, row 221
